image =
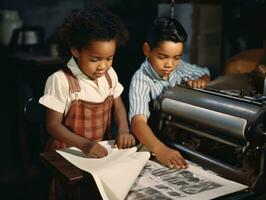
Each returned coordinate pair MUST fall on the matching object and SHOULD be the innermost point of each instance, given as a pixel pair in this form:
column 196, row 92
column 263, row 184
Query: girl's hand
column 125, row 140
column 94, row 150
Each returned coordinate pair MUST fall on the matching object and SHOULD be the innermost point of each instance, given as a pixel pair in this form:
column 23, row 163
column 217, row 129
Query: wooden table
column 68, row 172
column 71, row 182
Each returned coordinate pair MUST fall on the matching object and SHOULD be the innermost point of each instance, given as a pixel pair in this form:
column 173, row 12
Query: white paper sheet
column 113, row 174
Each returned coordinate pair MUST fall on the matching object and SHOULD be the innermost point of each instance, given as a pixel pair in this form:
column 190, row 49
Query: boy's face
column 165, row 57
column 95, row 60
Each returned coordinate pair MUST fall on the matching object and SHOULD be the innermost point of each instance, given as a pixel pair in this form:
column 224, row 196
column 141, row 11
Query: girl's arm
column 124, row 138
column 57, row 130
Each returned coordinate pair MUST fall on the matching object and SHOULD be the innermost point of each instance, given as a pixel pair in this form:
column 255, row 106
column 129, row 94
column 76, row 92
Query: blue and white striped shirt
column 146, row 84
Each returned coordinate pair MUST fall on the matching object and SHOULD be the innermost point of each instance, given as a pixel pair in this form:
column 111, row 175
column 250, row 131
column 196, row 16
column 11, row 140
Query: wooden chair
column 243, row 62
column 252, row 64
column 34, row 113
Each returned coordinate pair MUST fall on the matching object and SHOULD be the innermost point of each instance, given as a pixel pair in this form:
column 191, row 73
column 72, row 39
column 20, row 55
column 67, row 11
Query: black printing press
column 221, row 129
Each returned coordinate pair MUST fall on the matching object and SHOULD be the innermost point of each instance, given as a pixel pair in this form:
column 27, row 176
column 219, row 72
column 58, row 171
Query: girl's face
column 96, row 59
column 165, row 57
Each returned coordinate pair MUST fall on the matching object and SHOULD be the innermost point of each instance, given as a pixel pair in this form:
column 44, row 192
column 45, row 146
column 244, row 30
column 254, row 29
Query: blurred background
column 217, row 29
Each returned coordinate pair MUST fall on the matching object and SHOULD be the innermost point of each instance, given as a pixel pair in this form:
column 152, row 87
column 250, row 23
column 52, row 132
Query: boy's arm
column 57, row 130
column 198, row 76
column 144, row 133
column 124, row 138
column 167, row 156
column 139, row 98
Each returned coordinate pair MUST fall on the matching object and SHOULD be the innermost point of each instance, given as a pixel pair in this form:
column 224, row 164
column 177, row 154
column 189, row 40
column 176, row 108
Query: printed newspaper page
column 114, row 174
column 158, row 182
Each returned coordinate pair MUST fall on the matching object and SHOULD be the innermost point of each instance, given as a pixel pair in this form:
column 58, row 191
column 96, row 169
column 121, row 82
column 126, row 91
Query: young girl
column 81, row 97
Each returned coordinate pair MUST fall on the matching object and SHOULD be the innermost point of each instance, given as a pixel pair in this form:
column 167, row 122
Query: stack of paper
column 113, row 174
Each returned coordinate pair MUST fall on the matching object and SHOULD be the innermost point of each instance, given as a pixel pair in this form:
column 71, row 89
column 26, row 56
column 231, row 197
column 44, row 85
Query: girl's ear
column 146, row 49
column 74, row 52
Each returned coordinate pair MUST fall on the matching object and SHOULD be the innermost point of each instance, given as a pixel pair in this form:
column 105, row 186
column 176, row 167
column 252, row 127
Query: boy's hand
column 94, row 149
column 125, row 140
column 171, row 158
column 199, row 83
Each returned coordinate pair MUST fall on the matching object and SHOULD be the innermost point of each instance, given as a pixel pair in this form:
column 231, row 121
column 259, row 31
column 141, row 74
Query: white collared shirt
column 57, row 95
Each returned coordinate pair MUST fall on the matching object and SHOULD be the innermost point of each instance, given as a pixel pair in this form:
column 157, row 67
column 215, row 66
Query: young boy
column 162, row 68
column 81, row 97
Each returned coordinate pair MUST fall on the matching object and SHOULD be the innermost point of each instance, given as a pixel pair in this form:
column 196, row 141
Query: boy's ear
column 74, row 52
column 146, row 49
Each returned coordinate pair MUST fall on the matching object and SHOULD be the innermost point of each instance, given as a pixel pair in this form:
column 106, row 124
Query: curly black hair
column 92, row 24
column 166, row 29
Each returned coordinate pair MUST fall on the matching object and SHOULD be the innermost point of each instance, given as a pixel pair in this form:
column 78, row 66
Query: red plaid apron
column 88, row 119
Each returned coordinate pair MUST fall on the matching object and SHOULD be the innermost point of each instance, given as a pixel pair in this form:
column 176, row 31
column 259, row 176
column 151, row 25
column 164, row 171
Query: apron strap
column 72, row 80
column 109, row 131
column 108, row 78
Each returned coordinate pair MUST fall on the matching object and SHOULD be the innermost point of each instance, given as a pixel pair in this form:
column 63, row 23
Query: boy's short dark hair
column 92, row 24
column 166, row 29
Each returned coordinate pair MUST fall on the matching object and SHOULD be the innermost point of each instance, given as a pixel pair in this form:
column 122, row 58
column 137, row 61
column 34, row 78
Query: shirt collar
column 72, row 65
